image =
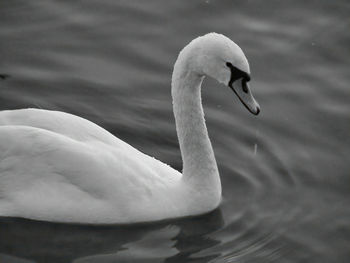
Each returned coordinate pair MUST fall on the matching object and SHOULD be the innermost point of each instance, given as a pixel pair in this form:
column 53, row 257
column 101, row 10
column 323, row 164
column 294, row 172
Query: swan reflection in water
column 25, row 240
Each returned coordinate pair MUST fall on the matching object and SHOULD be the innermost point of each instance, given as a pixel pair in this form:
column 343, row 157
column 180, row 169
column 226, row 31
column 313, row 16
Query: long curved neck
column 199, row 164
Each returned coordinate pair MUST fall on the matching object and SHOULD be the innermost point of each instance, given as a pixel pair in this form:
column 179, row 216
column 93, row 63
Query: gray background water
column 285, row 173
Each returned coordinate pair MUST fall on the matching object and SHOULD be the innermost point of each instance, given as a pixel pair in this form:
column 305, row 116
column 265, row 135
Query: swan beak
column 242, row 90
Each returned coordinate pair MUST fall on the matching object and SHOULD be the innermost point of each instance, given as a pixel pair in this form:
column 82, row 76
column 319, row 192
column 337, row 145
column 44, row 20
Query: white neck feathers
column 199, row 164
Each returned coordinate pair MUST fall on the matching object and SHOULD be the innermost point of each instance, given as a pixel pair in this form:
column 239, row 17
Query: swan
column 59, row 167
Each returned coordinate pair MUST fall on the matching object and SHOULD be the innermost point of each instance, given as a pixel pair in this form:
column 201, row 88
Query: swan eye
column 236, row 73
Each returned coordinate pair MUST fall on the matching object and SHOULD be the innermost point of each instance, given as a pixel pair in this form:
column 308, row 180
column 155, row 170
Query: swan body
column 55, row 166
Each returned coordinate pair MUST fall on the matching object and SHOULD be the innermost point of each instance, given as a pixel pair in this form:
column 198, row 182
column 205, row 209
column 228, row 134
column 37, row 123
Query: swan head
column 220, row 58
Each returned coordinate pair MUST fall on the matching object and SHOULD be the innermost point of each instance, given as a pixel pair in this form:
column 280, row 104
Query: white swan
column 55, row 166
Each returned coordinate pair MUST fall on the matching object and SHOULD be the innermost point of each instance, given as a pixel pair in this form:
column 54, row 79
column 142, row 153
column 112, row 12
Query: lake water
column 285, row 173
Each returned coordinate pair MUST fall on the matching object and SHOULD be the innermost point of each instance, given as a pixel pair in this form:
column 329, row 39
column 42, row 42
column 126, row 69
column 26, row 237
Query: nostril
column 244, row 86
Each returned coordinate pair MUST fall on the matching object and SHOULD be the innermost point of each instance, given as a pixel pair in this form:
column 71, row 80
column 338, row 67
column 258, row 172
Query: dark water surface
column 285, row 173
